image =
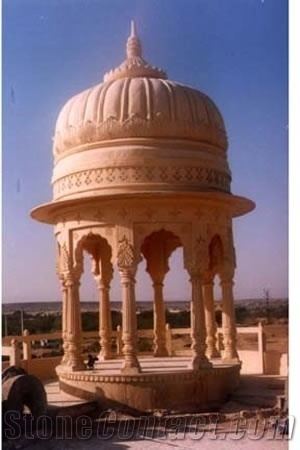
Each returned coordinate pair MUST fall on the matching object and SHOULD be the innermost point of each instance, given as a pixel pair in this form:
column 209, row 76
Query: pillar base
column 230, row 355
column 231, row 360
column 130, row 370
column 104, row 357
column 72, row 366
column 161, row 352
column 211, row 354
column 198, row 363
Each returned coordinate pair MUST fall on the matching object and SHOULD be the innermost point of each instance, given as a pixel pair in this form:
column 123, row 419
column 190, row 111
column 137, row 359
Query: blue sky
column 233, row 50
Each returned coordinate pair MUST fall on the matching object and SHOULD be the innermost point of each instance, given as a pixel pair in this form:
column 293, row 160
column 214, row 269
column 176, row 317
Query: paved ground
column 254, row 393
column 56, row 397
column 206, row 443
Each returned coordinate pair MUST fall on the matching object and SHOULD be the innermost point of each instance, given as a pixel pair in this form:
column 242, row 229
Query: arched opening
column 100, row 254
column 157, row 249
column 216, row 259
column 212, row 297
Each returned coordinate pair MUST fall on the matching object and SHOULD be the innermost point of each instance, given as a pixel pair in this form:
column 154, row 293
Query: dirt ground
column 276, row 339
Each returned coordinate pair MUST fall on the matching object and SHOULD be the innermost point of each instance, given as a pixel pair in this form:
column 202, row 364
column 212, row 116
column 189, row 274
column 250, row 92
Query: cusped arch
column 157, row 249
column 100, row 251
column 183, row 232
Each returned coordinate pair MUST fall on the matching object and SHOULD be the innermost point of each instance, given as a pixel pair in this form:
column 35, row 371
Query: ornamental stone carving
column 121, row 176
column 125, row 254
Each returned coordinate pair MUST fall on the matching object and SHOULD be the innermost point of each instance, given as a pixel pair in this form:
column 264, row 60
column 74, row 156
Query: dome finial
column 134, row 64
column 134, row 47
column 132, row 29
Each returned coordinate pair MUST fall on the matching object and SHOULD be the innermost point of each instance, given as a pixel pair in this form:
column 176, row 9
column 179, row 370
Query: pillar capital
column 227, row 275
column 71, row 281
column 208, row 279
column 102, row 283
column 227, row 281
column 158, row 283
column 196, row 274
column 127, row 276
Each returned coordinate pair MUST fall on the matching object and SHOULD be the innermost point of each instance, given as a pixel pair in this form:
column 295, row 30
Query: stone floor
column 254, row 392
column 205, row 443
column 150, row 364
column 219, row 441
column 56, row 397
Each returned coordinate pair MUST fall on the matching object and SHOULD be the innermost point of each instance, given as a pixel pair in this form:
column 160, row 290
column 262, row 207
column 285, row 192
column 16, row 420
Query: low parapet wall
column 260, row 361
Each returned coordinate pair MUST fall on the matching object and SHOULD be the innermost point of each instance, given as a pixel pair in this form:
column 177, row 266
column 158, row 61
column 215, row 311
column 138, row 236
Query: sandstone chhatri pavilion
column 140, row 169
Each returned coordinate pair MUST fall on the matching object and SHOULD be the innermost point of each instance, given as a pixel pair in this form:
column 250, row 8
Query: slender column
column 104, row 319
column 64, row 319
column 210, row 320
column 159, row 316
column 228, row 318
column 199, row 359
column 73, row 322
column 129, row 325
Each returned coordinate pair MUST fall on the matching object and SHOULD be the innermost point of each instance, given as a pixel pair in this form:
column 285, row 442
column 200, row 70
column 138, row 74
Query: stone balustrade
column 20, row 348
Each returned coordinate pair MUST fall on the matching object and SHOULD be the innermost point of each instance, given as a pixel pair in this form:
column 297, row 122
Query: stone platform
column 163, row 384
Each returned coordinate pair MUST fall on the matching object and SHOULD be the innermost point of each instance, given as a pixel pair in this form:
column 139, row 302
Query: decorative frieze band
column 107, row 176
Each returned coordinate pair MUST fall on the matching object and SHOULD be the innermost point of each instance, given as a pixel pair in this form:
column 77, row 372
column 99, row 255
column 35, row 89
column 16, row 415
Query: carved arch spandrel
column 222, row 252
column 216, row 254
column 229, row 249
column 126, row 257
column 198, row 255
column 64, row 262
column 182, row 230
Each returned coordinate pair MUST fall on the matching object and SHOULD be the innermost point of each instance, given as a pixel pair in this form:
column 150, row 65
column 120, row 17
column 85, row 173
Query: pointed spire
column 134, row 64
column 134, row 47
column 132, row 29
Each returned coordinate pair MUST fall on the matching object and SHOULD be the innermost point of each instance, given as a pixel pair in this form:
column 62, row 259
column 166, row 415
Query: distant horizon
column 145, row 301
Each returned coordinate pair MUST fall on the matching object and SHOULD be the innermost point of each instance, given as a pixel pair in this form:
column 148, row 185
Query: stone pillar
column 73, row 358
column 127, row 264
column 159, row 318
column 157, row 249
column 210, row 320
column 198, row 333
column 228, row 317
column 64, row 318
column 104, row 319
column 129, row 322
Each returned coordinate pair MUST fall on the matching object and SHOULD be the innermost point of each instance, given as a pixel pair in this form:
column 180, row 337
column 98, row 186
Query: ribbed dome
column 137, row 135
column 136, row 100
column 137, row 131
column 138, row 107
